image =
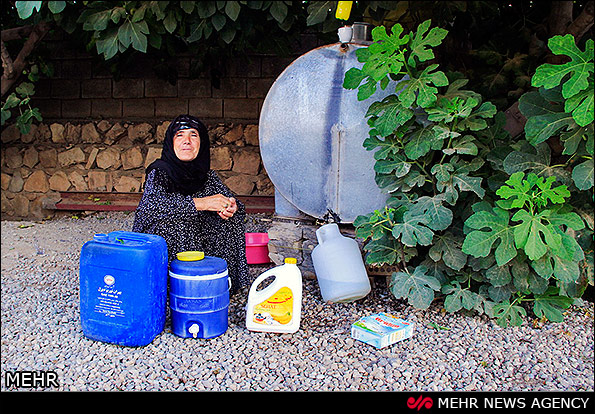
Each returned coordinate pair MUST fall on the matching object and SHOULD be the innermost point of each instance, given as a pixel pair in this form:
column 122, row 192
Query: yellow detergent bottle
column 277, row 307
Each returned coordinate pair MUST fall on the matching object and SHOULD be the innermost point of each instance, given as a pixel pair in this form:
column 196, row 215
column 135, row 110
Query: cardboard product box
column 381, row 329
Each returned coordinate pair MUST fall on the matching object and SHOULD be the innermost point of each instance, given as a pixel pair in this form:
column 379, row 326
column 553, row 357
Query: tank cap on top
column 291, row 260
column 190, row 256
column 100, row 237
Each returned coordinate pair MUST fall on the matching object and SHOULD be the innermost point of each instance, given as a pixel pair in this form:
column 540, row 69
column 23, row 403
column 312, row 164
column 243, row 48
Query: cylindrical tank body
column 199, row 296
column 311, row 133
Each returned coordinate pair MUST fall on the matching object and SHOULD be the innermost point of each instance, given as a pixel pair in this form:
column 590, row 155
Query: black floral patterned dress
column 174, row 217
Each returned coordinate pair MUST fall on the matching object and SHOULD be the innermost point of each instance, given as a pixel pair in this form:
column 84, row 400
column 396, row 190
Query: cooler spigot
column 194, row 328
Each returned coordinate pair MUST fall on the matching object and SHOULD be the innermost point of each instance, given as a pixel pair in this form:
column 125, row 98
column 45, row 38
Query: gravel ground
column 41, row 332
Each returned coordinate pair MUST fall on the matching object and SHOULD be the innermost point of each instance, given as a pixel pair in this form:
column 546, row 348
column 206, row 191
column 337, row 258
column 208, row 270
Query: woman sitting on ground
column 185, row 202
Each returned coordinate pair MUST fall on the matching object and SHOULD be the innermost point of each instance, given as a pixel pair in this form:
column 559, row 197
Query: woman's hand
column 224, row 206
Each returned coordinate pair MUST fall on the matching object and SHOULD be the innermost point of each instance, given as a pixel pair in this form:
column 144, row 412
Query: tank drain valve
column 194, row 328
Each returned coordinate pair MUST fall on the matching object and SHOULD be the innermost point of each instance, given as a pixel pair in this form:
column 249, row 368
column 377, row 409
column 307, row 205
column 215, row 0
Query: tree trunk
column 9, row 77
column 583, row 23
column 560, row 17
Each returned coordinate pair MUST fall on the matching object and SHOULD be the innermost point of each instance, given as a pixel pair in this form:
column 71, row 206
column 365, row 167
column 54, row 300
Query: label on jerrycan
column 109, row 299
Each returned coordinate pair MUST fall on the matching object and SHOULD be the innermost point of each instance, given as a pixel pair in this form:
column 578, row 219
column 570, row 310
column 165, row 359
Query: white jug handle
column 259, row 280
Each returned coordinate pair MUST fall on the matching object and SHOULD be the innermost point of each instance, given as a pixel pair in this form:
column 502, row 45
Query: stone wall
column 111, row 156
column 99, row 131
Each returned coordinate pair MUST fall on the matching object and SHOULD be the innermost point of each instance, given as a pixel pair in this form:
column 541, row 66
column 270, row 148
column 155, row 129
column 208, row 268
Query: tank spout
column 194, row 328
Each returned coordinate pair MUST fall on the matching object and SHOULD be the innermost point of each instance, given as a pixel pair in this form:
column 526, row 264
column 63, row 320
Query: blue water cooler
column 198, row 295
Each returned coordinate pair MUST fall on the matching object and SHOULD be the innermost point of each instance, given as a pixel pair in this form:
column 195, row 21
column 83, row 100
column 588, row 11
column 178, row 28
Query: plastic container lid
column 101, row 237
column 190, row 256
column 194, row 263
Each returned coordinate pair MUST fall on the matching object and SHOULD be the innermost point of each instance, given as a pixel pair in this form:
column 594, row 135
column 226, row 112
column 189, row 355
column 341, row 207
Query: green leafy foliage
column 417, row 287
column 460, row 298
column 422, row 42
column 212, row 32
column 413, row 230
column 424, row 143
column 540, row 236
column 550, row 305
column 479, row 243
column 533, row 191
column 26, row 8
column 421, row 89
column 534, row 233
column 563, row 106
column 546, row 117
column 482, row 222
column 399, row 54
column 119, row 26
column 575, row 75
column 509, row 313
column 583, row 174
column 20, row 100
column 458, row 223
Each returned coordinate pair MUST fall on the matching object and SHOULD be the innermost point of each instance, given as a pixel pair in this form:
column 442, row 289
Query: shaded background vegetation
column 495, row 44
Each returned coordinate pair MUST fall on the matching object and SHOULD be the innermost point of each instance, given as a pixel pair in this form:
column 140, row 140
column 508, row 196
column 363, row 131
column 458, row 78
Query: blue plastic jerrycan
column 123, row 287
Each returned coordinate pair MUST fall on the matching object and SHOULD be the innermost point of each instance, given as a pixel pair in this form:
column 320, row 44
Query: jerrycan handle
column 260, row 279
column 123, row 236
column 326, row 232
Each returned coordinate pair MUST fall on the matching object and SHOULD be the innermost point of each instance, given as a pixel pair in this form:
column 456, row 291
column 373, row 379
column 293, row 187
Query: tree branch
column 8, row 79
column 7, row 65
column 560, row 17
column 16, row 33
column 583, row 23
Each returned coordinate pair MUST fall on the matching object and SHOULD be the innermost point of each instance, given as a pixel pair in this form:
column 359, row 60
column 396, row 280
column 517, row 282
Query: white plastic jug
column 277, row 307
column 339, row 267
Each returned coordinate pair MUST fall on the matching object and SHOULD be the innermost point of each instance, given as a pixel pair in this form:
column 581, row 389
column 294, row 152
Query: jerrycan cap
column 101, row 237
column 190, row 256
column 290, row 260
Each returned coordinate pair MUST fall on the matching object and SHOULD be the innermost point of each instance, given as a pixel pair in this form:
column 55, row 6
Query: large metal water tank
column 311, row 132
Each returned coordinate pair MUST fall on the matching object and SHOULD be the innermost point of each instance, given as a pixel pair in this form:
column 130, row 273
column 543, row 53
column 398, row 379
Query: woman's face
column 186, row 144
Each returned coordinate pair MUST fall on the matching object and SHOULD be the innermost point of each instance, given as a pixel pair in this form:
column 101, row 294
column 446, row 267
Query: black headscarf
column 188, row 177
